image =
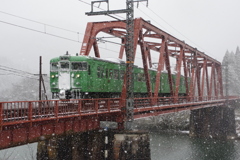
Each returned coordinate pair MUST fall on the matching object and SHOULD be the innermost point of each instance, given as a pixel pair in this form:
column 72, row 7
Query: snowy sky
column 212, row 26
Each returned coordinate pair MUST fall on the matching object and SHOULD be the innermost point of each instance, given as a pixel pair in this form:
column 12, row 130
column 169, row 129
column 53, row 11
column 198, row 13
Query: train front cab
column 67, row 77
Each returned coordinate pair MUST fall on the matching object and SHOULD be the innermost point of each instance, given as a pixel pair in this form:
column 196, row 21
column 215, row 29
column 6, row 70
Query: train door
column 100, row 81
column 64, row 80
column 110, row 81
column 114, row 82
column 64, row 76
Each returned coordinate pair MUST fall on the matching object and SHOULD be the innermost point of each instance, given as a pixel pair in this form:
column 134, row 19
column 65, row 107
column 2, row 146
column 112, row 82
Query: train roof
column 56, row 59
column 82, row 58
column 67, row 57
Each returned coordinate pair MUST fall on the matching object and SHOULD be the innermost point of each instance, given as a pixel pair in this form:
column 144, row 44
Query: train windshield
column 64, row 65
column 54, row 66
column 80, row 66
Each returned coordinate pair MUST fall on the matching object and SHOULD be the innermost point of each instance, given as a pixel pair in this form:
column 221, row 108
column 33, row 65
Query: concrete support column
column 96, row 145
column 87, row 146
column 213, row 122
column 131, row 146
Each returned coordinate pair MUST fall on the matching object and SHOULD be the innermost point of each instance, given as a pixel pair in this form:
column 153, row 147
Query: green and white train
column 90, row 77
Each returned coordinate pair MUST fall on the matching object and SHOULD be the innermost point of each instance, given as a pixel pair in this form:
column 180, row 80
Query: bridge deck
column 26, row 121
column 33, row 111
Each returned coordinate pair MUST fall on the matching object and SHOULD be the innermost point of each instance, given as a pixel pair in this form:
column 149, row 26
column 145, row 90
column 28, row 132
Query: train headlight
column 52, row 76
column 78, row 75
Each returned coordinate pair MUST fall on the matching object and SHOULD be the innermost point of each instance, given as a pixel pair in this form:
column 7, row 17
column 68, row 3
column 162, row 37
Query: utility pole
column 129, row 47
column 41, row 80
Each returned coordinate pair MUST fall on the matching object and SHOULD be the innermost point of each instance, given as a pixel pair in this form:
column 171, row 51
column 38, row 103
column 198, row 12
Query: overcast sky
column 212, row 26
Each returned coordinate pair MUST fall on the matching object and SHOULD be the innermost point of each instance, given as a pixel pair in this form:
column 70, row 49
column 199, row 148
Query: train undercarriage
column 88, row 95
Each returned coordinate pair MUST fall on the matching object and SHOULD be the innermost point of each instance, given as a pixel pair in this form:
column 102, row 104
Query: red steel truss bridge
column 27, row 121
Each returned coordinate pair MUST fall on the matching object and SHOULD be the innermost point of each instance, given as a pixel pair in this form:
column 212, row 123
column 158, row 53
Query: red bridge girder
column 29, row 121
column 199, row 67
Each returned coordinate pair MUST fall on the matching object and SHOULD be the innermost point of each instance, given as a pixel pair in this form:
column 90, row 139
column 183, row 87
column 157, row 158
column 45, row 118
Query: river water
column 164, row 146
column 179, row 146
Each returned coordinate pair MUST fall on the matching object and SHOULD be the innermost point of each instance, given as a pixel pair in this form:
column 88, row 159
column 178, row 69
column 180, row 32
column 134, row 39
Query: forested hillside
column 231, row 72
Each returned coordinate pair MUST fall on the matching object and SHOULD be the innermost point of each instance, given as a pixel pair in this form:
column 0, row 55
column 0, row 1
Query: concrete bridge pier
column 96, row 145
column 213, row 122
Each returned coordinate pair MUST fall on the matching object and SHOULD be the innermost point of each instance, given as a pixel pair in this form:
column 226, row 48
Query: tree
column 231, row 72
column 25, row 90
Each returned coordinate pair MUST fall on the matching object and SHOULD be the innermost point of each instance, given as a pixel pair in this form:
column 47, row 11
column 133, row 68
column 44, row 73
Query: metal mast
column 129, row 63
column 40, row 78
column 129, row 47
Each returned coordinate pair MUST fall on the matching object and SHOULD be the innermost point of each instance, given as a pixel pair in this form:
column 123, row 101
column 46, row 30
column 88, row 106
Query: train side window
column 99, row 72
column 139, row 77
column 135, row 77
column 89, row 70
column 106, row 73
column 102, row 72
column 80, row 66
column 75, row 65
column 182, row 81
column 84, row 66
column 110, row 73
column 143, row 77
column 116, row 74
column 64, row 65
column 174, row 80
column 121, row 74
column 154, row 78
column 54, row 66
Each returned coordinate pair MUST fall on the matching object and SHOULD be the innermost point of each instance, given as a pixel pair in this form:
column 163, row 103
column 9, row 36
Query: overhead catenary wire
column 43, row 32
column 158, row 23
column 46, row 25
column 17, row 72
column 30, row 20
column 82, row 33
column 54, row 35
column 171, row 27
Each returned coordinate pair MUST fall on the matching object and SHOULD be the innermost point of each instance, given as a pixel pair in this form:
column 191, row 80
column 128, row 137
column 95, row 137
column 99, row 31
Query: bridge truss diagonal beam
column 193, row 65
